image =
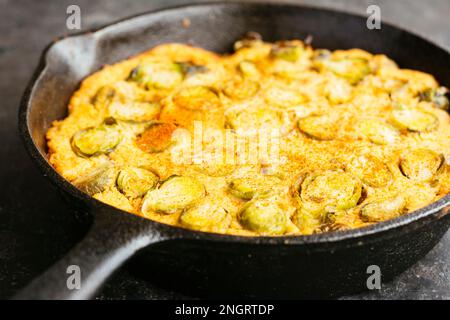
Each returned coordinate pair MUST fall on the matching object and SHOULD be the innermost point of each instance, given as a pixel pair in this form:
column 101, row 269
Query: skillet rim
column 435, row 210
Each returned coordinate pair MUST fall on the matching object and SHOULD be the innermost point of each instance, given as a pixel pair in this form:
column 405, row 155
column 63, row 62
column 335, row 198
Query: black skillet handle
column 113, row 238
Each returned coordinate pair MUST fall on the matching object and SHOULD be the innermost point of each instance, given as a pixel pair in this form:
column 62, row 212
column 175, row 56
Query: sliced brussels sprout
column 134, row 111
column 96, row 180
column 351, row 69
column 437, row 96
column 198, row 98
column 378, row 131
column 241, row 89
column 135, row 182
column 282, row 98
column 247, row 188
column 307, row 222
column 260, row 119
column 383, row 209
column 251, row 39
column 371, row 171
column 338, row 90
column 157, row 137
column 321, row 127
column 414, row 119
column 287, row 51
column 334, row 221
column 321, row 54
column 190, row 69
column 103, row 96
column 264, row 216
column 331, row 189
column 175, row 194
column 206, row 215
column 94, row 141
column 248, row 69
column 422, row 164
column 157, row 74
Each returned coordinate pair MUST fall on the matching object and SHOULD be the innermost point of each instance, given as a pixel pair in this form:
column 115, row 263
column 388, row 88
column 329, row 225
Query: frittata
column 273, row 139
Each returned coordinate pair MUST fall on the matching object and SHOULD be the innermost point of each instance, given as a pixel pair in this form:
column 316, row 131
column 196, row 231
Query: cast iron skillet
column 211, row 265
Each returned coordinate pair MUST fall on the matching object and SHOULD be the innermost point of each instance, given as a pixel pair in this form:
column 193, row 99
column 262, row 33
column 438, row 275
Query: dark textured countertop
column 37, row 226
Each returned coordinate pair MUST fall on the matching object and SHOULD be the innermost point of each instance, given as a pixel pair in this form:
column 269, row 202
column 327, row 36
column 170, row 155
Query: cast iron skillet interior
column 321, row 265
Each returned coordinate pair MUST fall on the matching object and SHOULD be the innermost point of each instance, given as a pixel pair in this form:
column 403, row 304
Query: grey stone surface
column 37, row 226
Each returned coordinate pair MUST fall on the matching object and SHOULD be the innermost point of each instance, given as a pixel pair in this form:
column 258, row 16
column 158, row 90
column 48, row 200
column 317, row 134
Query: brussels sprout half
column 247, row 188
column 248, row 69
column 287, row 51
column 97, row 140
column 378, row 131
column 205, row 216
column 96, row 180
column 438, row 96
column 264, row 216
column 240, row 89
column 307, row 222
column 251, row 39
column 414, row 119
column 320, row 127
column 135, row 182
column 103, row 96
column 351, row 69
column 191, row 69
column 134, row 111
column 383, row 209
column 283, row 98
column 321, row 55
column 422, row 165
column 371, row 171
column 197, row 98
column 175, row 194
column 157, row 74
column 330, row 190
